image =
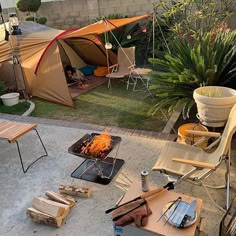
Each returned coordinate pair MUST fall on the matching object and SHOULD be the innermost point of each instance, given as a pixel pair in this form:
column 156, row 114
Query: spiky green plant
column 210, row 60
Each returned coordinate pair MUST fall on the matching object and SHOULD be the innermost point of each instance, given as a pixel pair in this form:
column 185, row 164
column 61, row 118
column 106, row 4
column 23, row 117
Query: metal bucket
column 190, row 139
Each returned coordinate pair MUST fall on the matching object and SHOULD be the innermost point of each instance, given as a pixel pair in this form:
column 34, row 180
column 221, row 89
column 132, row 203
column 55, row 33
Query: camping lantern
column 14, row 24
column 108, row 45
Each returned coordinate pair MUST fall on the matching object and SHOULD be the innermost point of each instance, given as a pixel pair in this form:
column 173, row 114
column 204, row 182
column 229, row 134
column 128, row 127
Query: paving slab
column 88, row 217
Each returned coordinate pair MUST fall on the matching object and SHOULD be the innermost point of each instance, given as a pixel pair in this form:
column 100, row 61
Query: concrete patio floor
column 139, row 150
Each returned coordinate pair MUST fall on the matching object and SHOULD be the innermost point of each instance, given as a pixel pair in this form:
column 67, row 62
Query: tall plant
column 210, row 60
column 194, row 17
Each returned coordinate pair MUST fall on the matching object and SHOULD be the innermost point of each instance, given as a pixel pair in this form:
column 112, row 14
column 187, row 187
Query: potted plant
column 207, row 61
column 214, row 104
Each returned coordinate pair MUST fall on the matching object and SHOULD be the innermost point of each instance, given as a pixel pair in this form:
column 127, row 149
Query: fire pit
column 95, row 148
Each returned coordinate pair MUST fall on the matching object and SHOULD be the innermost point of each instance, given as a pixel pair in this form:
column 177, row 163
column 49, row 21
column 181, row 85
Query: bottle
column 145, row 180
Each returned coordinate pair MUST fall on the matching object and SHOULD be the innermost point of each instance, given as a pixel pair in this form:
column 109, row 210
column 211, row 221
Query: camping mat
column 92, row 82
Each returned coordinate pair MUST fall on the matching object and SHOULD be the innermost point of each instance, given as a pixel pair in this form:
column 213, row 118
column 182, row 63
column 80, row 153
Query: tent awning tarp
column 104, row 25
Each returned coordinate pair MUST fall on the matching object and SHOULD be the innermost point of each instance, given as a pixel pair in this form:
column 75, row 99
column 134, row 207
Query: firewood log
column 75, row 191
column 69, row 199
column 61, row 198
column 49, row 207
column 44, row 218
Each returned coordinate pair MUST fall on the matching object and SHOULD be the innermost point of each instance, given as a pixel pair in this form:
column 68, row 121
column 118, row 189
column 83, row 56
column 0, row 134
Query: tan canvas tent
column 42, row 51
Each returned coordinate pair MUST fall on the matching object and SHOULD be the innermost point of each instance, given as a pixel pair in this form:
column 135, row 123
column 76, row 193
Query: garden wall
column 78, row 13
column 65, row 14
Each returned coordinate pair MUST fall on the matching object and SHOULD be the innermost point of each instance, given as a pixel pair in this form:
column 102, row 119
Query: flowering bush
column 193, row 16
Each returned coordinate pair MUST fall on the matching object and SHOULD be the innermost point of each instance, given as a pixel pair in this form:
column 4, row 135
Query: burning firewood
column 98, row 146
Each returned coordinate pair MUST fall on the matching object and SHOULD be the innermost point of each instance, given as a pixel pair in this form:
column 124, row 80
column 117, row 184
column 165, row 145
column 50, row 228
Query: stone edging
column 31, row 108
column 171, row 123
column 164, row 135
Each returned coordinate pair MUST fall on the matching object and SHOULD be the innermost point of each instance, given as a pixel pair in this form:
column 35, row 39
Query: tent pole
column 16, row 62
column 120, row 47
column 153, row 35
column 14, row 57
column 107, row 56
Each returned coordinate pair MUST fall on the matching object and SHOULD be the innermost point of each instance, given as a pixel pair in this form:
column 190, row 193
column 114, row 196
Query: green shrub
column 29, row 18
column 42, row 20
column 28, row 5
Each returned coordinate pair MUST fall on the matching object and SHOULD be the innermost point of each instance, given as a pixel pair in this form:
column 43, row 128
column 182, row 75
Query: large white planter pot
column 214, row 104
column 10, row 99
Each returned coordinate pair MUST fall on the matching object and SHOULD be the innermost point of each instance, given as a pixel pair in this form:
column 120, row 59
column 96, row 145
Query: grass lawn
column 109, row 107
column 17, row 109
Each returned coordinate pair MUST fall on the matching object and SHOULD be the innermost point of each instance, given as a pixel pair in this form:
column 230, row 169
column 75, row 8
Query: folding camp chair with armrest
column 126, row 62
column 184, row 162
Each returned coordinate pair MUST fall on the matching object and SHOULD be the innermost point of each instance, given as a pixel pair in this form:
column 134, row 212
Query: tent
column 40, row 53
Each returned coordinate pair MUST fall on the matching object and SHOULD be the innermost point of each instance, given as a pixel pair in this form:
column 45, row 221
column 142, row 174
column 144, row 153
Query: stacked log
column 75, row 191
column 54, row 209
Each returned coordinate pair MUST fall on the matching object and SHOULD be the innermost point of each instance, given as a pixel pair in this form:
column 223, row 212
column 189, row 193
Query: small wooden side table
column 12, row 131
column 154, row 228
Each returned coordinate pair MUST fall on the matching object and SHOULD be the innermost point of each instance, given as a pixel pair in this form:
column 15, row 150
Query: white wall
column 8, row 3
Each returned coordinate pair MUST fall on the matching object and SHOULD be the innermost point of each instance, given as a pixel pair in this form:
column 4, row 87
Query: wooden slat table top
column 13, row 130
column 156, row 204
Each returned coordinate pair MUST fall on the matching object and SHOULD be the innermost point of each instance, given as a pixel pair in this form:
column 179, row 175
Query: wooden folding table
column 156, row 204
column 12, row 131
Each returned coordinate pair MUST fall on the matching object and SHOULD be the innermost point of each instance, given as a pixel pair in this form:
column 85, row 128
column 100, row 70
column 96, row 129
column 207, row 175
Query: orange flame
column 100, row 144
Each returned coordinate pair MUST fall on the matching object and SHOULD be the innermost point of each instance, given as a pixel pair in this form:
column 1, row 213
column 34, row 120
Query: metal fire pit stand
column 97, row 170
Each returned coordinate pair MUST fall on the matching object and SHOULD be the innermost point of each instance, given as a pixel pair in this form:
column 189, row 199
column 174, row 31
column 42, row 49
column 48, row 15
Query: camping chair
column 183, row 162
column 126, row 62
column 228, row 223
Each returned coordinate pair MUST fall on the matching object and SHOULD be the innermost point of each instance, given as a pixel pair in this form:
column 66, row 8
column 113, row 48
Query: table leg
column 19, row 152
